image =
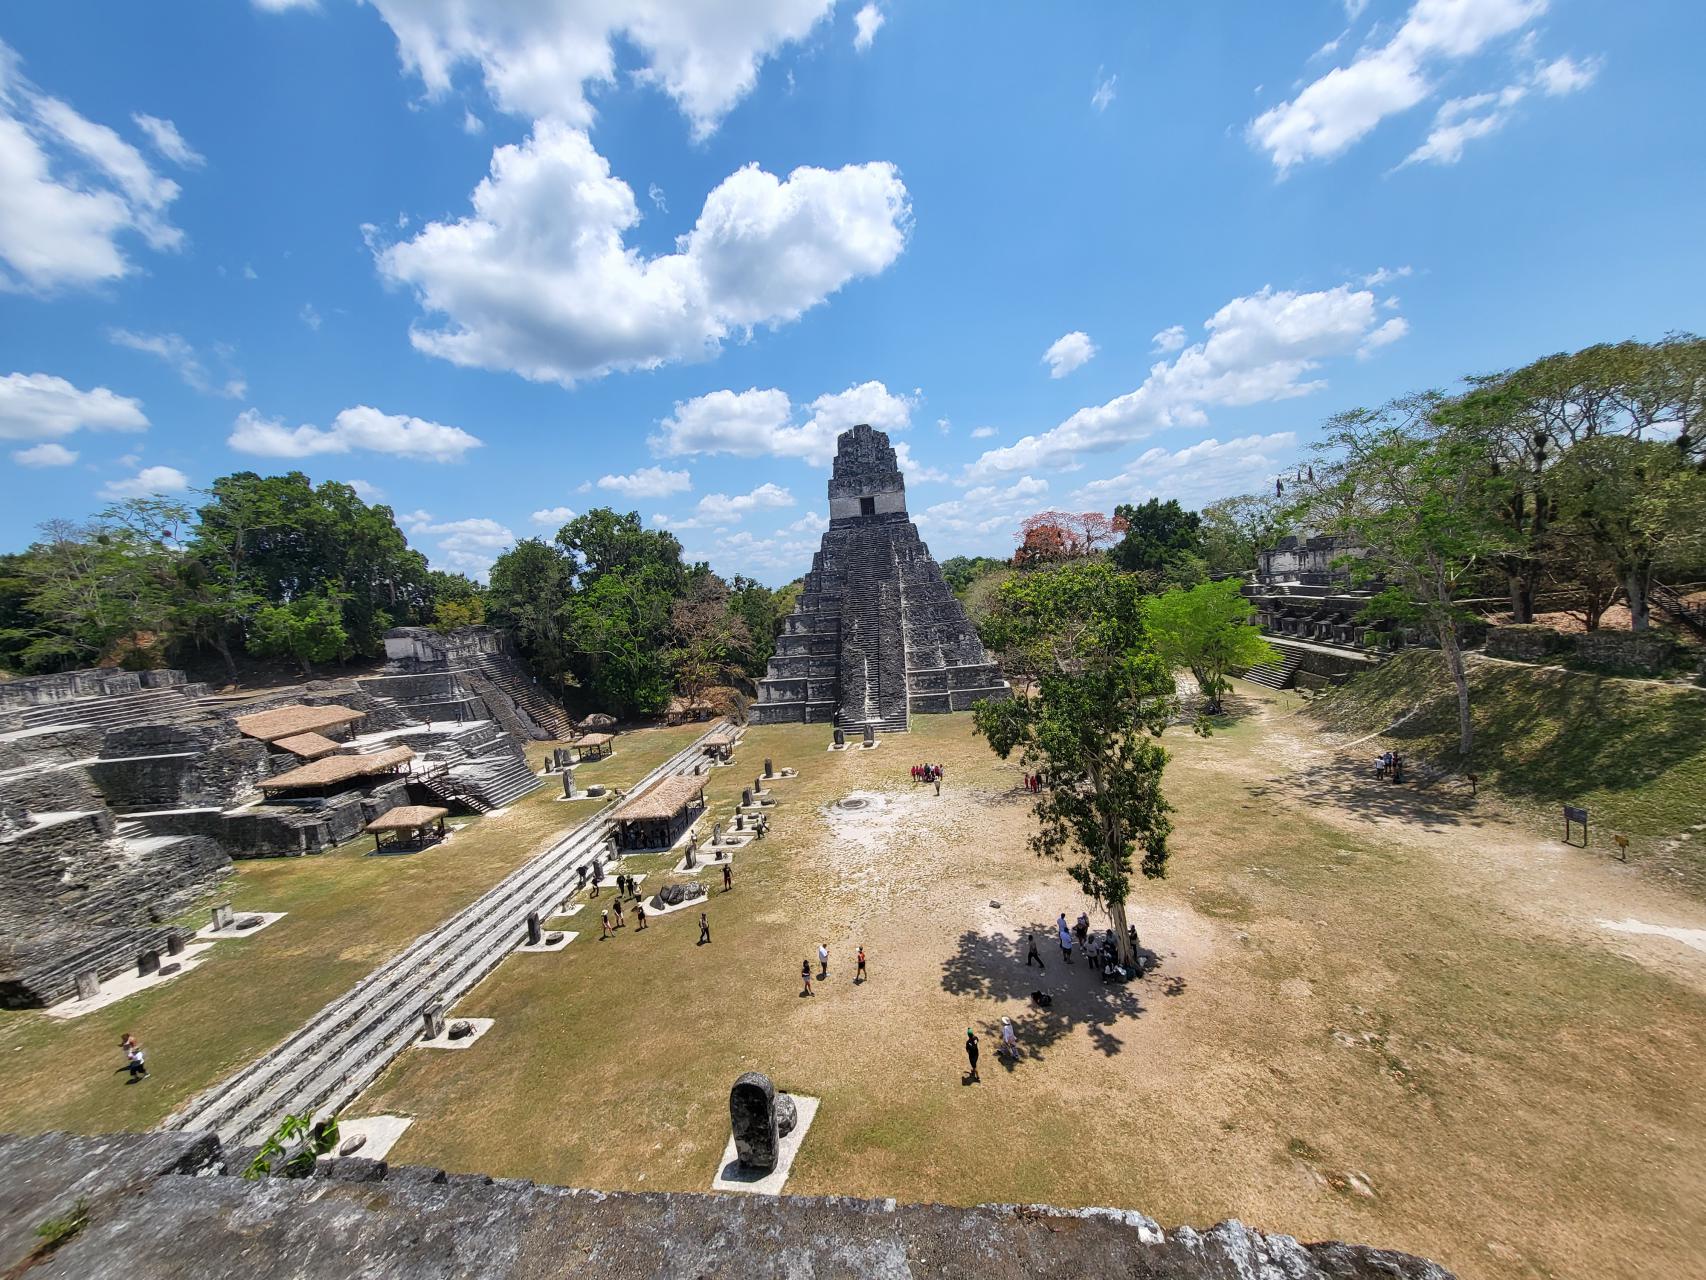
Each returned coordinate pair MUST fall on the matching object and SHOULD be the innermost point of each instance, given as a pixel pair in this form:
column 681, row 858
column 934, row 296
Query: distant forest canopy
column 1580, row 478
column 278, row 567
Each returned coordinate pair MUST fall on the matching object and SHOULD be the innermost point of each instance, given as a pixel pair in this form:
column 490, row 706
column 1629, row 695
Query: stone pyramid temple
column 876, row 637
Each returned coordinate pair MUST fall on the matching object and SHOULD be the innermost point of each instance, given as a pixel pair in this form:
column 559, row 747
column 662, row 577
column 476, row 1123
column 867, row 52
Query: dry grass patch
column 1356, row 1033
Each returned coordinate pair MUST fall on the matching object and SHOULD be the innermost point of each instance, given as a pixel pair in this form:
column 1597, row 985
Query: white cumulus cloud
column 761, row 422
column 359, row 428
column 146, row 483
column 45, row 455
column 1343, row 106
column 70, row 191
column 1068, row 352
column 537, row 57
column 866, row 23
column 1261, row 347
column 539, row 280
column 555, row 517
column 1169, row 339
column 39, row 406
column 647, row 482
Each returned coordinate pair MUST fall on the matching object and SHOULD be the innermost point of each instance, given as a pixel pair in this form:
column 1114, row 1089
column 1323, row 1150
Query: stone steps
column 325, row 1064
column 1276, row 675
column 119, row 711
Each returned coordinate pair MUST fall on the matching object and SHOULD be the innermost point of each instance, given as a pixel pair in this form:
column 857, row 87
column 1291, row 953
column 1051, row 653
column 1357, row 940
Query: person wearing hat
column 1009, row 1042
column 971, row 1052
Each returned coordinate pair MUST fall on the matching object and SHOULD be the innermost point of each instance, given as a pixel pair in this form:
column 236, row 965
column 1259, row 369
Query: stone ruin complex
column 1307, row 607
column 877, row 636
column 125, row 795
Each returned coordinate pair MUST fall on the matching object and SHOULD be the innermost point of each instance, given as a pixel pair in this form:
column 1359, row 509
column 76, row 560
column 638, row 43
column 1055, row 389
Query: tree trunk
column 1122, row 938
column 1459, row 677
column 1635, row 583
column 223, row 647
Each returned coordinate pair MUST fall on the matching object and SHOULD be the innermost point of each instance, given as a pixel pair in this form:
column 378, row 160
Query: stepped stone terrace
column 877, row 636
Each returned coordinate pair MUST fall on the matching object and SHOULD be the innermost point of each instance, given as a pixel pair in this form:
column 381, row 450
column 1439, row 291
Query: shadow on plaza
column 992, row 967
column 1426, row 799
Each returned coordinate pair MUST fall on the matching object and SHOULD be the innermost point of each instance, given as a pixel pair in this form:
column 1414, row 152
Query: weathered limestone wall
column 168, row 1204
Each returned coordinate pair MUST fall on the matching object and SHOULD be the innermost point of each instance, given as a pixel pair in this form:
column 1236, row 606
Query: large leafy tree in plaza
column 1103, row 697
column 1417, row 499
column 1207, row 630
column 1638, row 506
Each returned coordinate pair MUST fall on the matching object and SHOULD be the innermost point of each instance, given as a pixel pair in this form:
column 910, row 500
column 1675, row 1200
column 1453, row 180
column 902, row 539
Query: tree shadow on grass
column 1425, row 799
column 992, row 967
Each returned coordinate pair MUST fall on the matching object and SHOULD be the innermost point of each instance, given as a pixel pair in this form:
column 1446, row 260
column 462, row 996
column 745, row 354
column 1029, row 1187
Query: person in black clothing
column 1031, row 953
column 728, row 877
column 704, row 929
column 971, row 1052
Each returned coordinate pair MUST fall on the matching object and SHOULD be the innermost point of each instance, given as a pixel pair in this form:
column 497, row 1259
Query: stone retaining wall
column 168, row 1204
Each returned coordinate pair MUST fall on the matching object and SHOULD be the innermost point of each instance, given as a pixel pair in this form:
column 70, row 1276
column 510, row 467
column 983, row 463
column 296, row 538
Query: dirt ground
column 1381, row 1016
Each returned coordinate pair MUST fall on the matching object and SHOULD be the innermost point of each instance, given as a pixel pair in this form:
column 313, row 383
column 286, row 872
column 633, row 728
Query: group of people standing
column 928, row 773
column 1033, row 783
column 860, row 976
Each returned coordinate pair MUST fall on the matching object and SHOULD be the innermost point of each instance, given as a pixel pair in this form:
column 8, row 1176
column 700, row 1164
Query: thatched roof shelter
column 310, row 746
column 409, row 826
column 333, row 770
column 664, row 800
column 407, row 817
column 285, row 722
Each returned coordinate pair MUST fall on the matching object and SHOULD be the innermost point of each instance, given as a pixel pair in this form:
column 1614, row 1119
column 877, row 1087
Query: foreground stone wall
column 150, row 1214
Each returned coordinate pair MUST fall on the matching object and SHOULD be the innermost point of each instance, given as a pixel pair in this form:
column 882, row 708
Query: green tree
column 1104, row 697
column 1418, row 500
column 759, row 610
column 1207, row 630
column 961, row 571
column 1639, row 505
column 1161, row 539
column 531, row 585
column 309, row 629
column 1234, row 529
column 618, row 631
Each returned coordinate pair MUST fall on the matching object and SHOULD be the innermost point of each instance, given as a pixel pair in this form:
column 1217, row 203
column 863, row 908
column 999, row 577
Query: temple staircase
column 539, row 707
column 1280, row 674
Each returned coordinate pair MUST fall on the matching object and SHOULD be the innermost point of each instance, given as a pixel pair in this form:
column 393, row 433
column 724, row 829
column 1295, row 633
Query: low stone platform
column 731, row 1177
column 150, row 1215
column 480, row 1025
column 548, row 946
column 129, row 984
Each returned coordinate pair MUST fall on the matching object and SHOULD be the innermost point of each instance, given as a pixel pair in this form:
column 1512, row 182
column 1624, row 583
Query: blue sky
column 505, row 266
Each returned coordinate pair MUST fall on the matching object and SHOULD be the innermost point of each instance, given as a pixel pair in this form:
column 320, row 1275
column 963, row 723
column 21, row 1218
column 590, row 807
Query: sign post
column 1572, row 814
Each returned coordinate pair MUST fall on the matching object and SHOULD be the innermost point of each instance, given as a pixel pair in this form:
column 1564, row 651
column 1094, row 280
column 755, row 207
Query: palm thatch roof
column 407, row 817
column 663, row 800
column 285, row 722
column 310, row 746
column 335, row 769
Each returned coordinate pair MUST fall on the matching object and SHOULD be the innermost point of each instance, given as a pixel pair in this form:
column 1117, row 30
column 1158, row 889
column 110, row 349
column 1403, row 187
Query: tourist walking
column 620, row 923
column 137, row 1064
column 1032, row 954
column 639, row 918
column 704, row 929
column 728, row 877
column 938, row 783
column 822, row 960
column 1009, row 1041
column 971, row 1052
column 859, row 974
column 1065, row 938
column 806, row 977
column 604, row 916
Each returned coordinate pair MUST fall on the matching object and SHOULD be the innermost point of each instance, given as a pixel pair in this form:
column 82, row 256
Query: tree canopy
column 1103, row 697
